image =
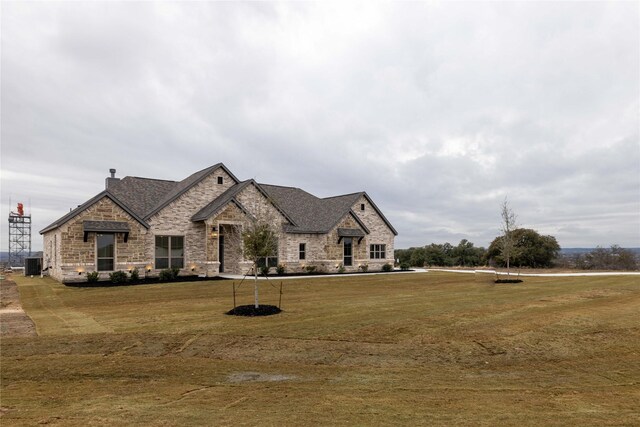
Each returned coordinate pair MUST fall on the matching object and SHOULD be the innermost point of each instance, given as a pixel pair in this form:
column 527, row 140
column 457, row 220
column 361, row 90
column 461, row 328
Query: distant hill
column 577, row 251
column 4, row 256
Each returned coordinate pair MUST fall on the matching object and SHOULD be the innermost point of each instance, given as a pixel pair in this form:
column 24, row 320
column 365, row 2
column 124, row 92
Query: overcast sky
column 438, row 110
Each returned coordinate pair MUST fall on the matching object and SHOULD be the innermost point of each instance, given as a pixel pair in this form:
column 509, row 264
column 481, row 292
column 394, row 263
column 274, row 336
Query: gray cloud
column 438, row 110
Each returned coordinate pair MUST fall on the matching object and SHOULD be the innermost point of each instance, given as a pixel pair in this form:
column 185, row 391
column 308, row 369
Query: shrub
column 310, row 269
column 93, row 277
column 280, row 269
column 264, row 270
column 135, row 275
column 175, row 271
column 340, row 268
column 118, row 277
column 387, row 267
column 364, row 268
column 404, row 266
column 168, row 274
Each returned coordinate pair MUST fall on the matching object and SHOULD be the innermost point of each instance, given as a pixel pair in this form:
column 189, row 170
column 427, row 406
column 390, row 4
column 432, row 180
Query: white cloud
column 438, row 110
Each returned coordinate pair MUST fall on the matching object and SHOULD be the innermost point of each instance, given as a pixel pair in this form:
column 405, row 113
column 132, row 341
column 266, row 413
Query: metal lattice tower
column 19, row 237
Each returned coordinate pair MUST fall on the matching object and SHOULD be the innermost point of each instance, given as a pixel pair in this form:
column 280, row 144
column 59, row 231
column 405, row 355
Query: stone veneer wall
column 175, row 220
column 380, row 233
column 72, row 257
column 315, row 253
column 51, row 253
column 324, row 252
column 231, row 216
column 335, row 250
column 260, row 207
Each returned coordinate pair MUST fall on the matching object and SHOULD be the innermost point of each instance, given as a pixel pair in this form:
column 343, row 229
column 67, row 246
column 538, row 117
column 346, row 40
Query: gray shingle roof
column 350, row 232
column 306, row 213
column 141, row 195
column 88, row 204
column 106, row 226
column 220, row 202
column 310, row 213
column 183, row 186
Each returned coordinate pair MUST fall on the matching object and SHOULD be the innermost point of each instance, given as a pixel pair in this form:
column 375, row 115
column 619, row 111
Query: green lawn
column 397, row 349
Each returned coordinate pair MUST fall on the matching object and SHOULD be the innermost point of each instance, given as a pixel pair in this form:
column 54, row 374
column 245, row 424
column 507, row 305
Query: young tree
column 259, row 241
column 507, row 227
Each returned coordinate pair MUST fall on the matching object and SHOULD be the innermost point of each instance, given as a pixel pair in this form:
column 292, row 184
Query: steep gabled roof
column 185, row 185
column 310, row 213
column 379, row 212
column 230, row 196
column 220, row 202
column 141, row 195
column 87, row 205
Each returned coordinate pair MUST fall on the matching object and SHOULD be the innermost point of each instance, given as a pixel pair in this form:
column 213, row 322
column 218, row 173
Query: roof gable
column 310, row 213
column 66, row 218
column 219, row 203
column 379, row 212
column 141, row 195
column 230, row 196
column 185, row 185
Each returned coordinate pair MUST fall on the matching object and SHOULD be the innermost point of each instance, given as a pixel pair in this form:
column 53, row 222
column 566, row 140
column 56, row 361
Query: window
column 271, row 260
column 105, row 249
column 303, row 251
column 348, row 253
column 377, row 251
column 361, row 206
column 169, row 252
column 220, row 180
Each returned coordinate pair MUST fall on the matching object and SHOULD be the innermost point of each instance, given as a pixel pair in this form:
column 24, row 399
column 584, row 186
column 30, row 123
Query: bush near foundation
column 118, row 277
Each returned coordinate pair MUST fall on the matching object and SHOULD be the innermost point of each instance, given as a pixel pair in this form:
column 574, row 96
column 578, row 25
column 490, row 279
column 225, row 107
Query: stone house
column 196, row 225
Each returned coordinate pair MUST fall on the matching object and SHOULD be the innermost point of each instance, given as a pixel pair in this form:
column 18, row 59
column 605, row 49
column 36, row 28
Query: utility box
column 32, row 266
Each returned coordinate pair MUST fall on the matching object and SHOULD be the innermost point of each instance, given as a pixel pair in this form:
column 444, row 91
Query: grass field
column 399, row 349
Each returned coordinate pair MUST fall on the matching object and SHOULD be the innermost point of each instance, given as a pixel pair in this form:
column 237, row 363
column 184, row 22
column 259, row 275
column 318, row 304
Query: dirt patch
column 243, row 377
column 13, row 320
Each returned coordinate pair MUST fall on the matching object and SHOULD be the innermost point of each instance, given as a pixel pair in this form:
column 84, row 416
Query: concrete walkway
column 425, row 270
column 578, row 274
column 315, row 276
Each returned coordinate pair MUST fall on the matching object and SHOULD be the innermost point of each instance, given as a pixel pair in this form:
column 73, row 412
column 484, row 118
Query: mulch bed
column 252, row 311
column 148, row 281
column 508, row 281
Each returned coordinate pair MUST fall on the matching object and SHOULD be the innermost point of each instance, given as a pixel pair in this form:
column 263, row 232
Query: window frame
column 113, row 252
column 347, row 260
column 271, row 260
column 302, row 251
column 378, row 251
column 170, row 249
column 220, row 180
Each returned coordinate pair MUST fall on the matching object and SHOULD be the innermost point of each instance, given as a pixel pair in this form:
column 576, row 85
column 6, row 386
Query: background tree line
column 530, row 249
column 613, row 258
column 526, row 249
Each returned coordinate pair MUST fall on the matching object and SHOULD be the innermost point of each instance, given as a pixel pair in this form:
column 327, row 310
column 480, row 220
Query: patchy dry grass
column 434, row 348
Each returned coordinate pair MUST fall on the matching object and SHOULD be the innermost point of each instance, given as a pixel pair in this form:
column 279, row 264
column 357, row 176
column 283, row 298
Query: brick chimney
column 112, row 180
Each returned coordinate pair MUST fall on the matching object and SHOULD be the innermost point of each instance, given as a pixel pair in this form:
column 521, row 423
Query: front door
column 221, row 251
column 348, row 252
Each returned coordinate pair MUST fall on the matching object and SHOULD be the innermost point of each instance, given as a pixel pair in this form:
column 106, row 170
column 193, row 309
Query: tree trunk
column 255, row 285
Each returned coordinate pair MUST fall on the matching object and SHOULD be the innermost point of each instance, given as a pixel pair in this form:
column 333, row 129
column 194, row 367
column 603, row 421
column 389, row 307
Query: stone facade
column 69, row 258
column 175, row 220
column 379, row 233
